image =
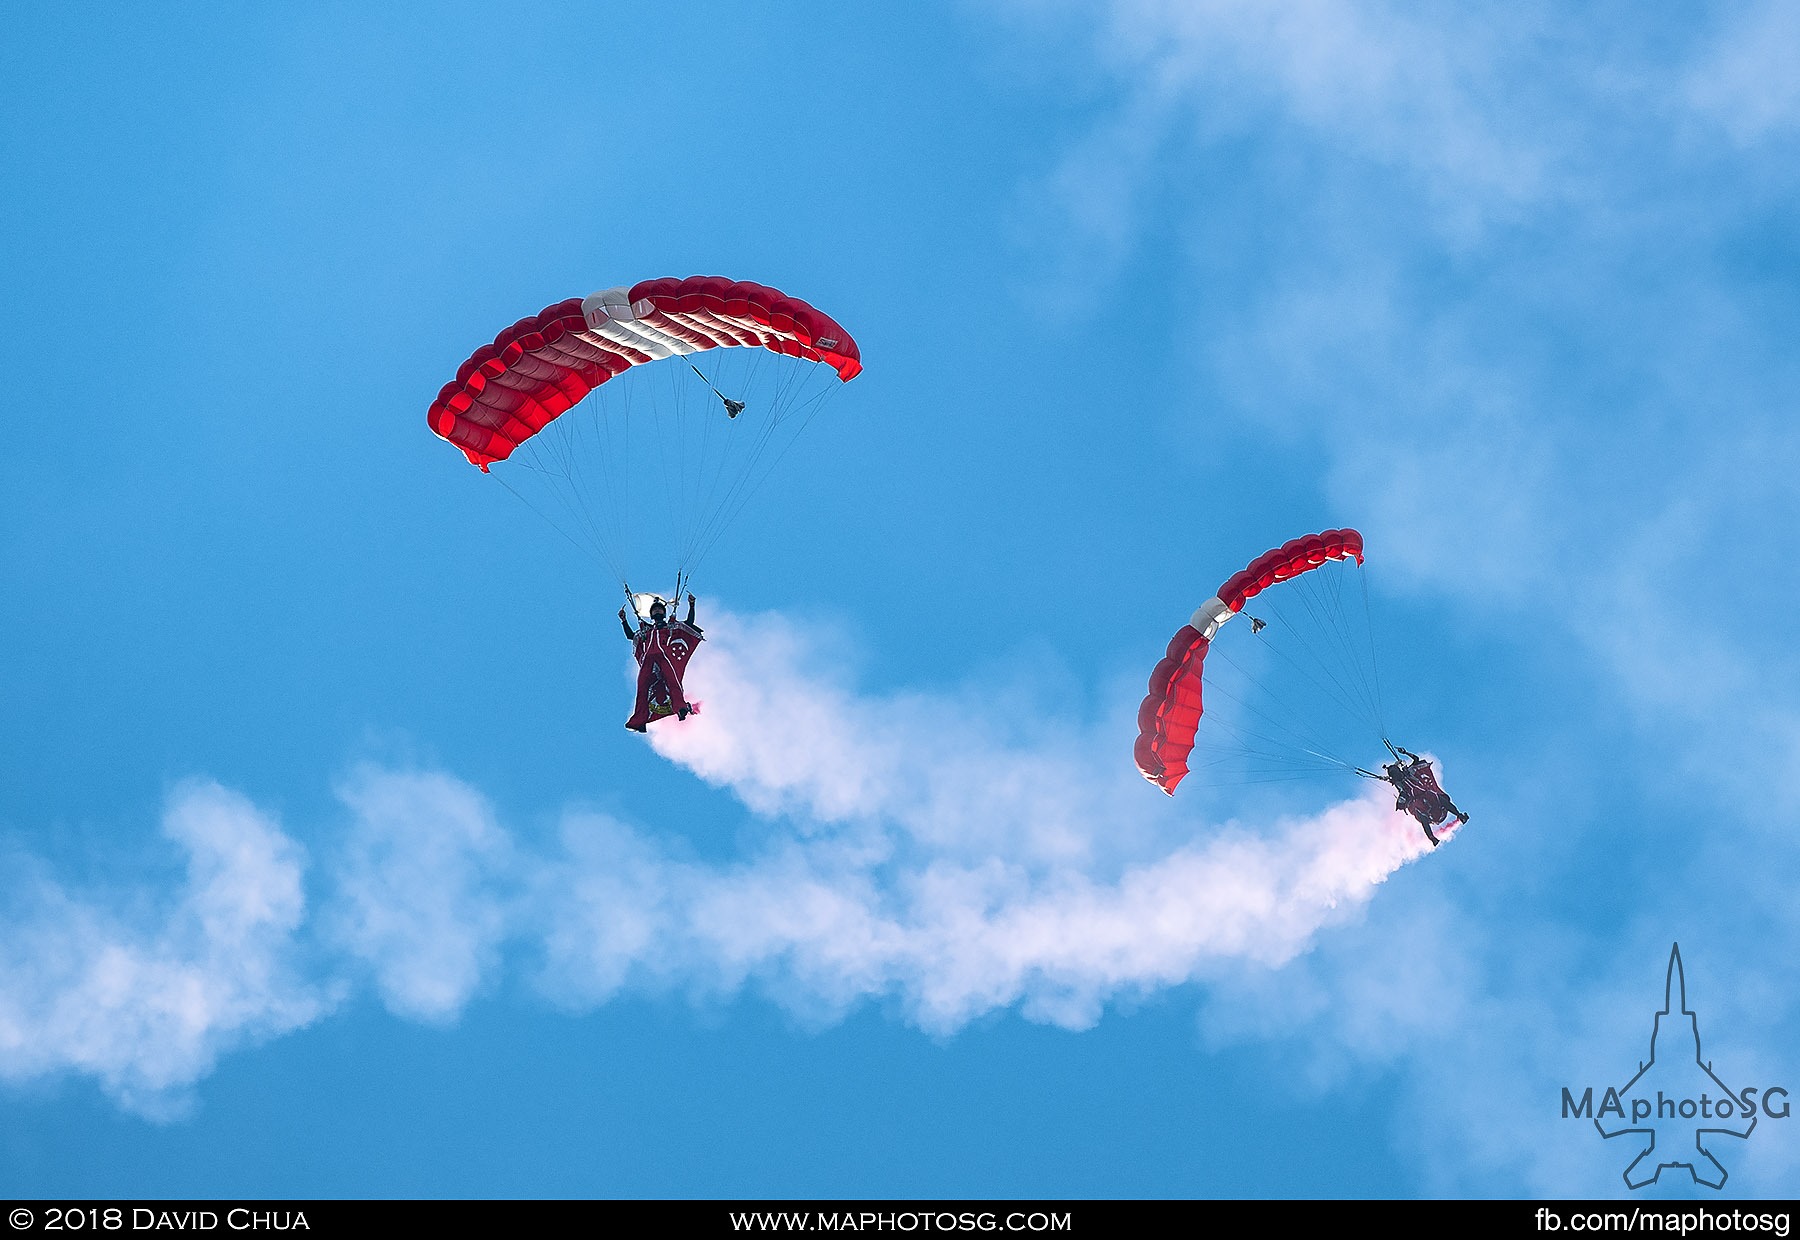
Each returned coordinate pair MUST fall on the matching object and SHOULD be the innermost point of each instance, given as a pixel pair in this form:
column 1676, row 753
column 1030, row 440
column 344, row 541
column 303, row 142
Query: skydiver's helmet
column 645, row 606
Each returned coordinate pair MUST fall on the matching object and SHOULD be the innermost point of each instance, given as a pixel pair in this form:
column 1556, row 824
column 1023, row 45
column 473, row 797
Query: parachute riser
column 633, row 602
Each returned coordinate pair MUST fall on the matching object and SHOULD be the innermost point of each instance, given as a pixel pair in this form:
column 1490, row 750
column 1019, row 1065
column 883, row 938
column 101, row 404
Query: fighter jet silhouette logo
column 1674, row 1100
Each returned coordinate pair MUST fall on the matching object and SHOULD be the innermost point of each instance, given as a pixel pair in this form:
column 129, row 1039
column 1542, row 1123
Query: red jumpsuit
column 662, row 652
column 1420, row 795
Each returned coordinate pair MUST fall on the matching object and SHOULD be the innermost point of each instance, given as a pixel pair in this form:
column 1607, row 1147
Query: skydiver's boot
column 682, row 713
column 1431, row 837
column 1461, row 818
column 635, row 726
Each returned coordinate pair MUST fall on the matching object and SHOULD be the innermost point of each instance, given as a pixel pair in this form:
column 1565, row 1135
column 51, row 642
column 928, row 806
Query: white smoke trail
column 928, row 861
column 907, row 852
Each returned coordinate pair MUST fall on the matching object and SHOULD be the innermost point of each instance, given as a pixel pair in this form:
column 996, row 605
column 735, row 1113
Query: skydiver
column 651, row 644
column 1418, row 793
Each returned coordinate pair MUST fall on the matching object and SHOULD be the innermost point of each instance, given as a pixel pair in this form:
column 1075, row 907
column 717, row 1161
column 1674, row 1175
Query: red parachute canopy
column 1170, row 714
column 542, row 366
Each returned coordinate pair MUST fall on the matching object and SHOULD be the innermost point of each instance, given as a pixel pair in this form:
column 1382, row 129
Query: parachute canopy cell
column 542, row 366
column 1170, row 714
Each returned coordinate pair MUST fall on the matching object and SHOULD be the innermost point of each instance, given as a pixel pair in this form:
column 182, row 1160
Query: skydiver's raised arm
column 690, row 619
column 1409, row 753
column 630, row 633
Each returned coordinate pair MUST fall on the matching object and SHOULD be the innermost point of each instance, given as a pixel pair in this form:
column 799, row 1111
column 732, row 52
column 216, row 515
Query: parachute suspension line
column 1309, row 592
column 1304, row 739
column 1358, row 702
column 546, row 460
column 1223, row 767
column 784, row 409
column 1281, row 748
column 1365, row 670
column 725, row 508
column 752, row 479
column 691, row 436
column 592, row 437
column 599, row 487
column 1279, row 754
column 1374, row 663
column 676, row 501
column 1275, row 733
column 693, row 443
column 710, row 481
column 535, row 457
column 1325, row 589
column 707, row 469
column 671, row 478
column 606, row 488
column 556, row 460
column 581, row 504
column 625, row 412
column 747, row 475
column 587, row 484
column 607, row 560
column 724, row 471
column 612, row 513
column 1335, row 691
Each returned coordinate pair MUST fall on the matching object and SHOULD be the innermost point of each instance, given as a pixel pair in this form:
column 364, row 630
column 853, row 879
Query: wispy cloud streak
column 143, row 991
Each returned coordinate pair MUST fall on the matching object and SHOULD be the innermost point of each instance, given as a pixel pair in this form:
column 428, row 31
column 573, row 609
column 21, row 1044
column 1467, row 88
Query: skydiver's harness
column 732, row 409
column 683, row 583
column 1413, row 799
column 1399, row 756
column 1411, row 794
column 652, row 637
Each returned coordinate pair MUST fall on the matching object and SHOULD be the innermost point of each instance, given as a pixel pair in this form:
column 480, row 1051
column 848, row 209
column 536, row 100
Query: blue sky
column 332, row 872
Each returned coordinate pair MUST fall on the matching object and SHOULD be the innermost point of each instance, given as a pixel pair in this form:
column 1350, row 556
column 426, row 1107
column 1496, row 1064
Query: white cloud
column 420, row 888
column 1454, row 104
column 145, row 1004
column 1749, row 81
column 1417, row 91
